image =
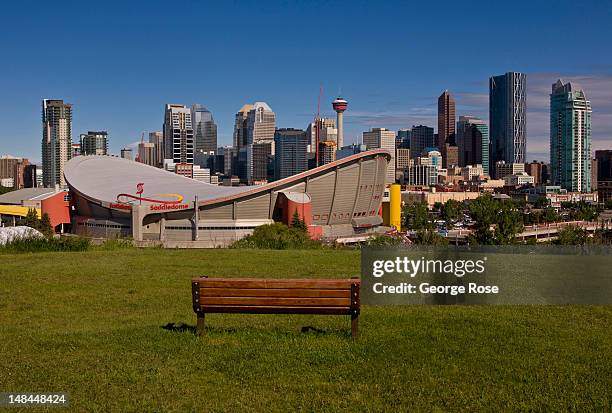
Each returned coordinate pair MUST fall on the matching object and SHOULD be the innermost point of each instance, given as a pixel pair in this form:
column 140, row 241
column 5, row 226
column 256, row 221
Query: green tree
column 602, row 236
column 483, row 211
column 429, row 238
column 550, row 215
column 31, row 219
column 416, row 217
column 508, row 224
column 581, row 211
column 487, row 212
column 608, row 204
column 451, row 211
column 541, row 202
column 297, row 222
column 573, row 235
column 45, row 226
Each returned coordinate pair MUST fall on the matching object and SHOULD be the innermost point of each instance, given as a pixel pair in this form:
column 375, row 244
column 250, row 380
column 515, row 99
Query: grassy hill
column 114, row 329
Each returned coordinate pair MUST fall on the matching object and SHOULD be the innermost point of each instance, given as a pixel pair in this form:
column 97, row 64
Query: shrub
column 382, row 240
column 115, row 244
column 297, row 222
column 46, row 245
column 573, row 235
column 277, row 236
column 430, row 238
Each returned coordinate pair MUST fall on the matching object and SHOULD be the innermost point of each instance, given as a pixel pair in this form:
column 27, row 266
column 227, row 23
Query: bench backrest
column 299, row 296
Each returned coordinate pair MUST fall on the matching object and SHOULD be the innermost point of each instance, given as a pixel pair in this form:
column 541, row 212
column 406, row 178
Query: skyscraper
column 178, row 134
column 604, row 174
column 94, row 143
column 230, row 161
column 291, row 152
column 507, row 118
column 126, row 153
column 56, row 141
column 421, row 137
column 261, row 124
column 14, row 169
column 381, row 138
column 570, row 138
column 258, row 157
column 327, row 152
column 446, row 128
column 328, row 132
column 473, row 142
column 538, row 170
column 147, row 153
column 240, row 126
column 204, row 130
column 402, row 139
column 157, row 138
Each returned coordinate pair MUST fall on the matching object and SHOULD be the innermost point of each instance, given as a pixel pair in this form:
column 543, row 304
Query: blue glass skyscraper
column 507, row 118
column 570, row 138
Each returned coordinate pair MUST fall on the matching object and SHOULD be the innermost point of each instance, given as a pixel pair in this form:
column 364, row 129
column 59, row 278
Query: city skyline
column 393, row 97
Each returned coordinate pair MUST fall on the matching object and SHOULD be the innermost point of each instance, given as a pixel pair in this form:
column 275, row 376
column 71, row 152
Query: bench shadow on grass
column 181, row 328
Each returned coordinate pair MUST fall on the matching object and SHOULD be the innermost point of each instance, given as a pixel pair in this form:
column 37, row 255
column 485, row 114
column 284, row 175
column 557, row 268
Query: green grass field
column 91, row 324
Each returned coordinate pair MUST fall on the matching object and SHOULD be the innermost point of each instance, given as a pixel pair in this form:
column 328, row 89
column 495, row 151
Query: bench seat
column 276, row 296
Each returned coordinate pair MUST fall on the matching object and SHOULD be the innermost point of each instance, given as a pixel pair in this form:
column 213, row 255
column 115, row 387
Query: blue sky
column 118, row 63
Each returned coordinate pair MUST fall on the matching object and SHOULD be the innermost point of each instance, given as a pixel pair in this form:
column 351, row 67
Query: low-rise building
column 470, row 171
column 421, row 175
column 432, row 197
column 518, row 179
column 56, row 203
column 503, row 169
column 557, row 195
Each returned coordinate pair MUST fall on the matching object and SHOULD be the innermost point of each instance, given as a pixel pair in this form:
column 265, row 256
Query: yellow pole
column 395, row 206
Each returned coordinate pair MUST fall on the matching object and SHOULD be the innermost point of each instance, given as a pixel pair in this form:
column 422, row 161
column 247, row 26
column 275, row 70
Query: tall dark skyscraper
column 421, row 137
column 204, row 130
column 291, row 152
column 507, row 118
column 258, row 157
column 473, row 142
column 446, row 128
column 240, row 126
column 402, row 138
column 604, row 174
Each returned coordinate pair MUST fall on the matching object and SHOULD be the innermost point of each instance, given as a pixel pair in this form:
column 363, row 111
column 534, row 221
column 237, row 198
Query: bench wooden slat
column 268, row 283
column 275, row 310
column 274, row 292
column 276, row 296
column 277, row 301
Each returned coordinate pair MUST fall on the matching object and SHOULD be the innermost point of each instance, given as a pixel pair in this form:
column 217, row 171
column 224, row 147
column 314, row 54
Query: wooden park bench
column 272, row 296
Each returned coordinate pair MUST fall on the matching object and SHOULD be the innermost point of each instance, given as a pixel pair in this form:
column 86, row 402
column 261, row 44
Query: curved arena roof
column 102, row 178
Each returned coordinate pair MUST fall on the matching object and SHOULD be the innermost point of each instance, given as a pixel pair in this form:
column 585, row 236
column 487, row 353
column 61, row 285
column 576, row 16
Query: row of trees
column 497, row 222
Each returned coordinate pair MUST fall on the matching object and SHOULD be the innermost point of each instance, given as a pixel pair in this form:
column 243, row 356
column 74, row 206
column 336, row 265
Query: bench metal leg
column 354, row 325
column 200, row 325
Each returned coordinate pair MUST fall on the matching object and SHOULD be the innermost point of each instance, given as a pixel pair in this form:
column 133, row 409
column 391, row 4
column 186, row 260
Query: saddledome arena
column 114, row 197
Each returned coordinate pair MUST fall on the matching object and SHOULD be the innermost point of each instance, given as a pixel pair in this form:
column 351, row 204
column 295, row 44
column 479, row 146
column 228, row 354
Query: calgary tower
column 340, row 105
